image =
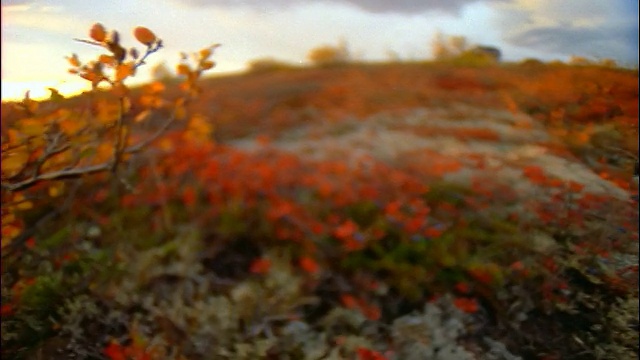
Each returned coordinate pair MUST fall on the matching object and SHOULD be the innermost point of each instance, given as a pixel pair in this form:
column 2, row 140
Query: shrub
column 456, row 50
column 265, row 65
column 51, row 142
column 328, row 55
column 579, row 61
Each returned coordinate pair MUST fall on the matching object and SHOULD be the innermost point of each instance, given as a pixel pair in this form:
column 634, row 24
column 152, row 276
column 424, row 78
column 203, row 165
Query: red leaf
column 260, row 266
column 6, row 310
column 346, row 230
column 466, row 304
column 348, row 301
column 309, row 265
column 115, row 351
column 367, row 354
column 463, row 287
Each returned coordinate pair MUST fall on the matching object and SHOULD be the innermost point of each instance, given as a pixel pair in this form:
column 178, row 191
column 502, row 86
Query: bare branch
column 58, row 175
column 19, row 241
column 141, row 145
column 150, row 50
column 89, row 42
column 117, row 147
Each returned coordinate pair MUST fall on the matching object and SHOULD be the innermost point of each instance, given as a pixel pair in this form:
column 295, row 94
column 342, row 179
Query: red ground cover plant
column 363, row 234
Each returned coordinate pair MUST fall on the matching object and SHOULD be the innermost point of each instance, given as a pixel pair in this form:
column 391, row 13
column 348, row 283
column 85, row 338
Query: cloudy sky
column 38, row 34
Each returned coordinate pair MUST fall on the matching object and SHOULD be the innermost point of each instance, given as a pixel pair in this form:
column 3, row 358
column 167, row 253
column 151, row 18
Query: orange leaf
column 98, row 32
column 144, row 35
column 183, row 69
column 155, row 87
column 124, row 70
column 107, row 59
column 73, row 60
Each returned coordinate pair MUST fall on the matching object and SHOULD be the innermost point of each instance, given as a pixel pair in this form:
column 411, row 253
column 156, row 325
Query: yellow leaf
column 126, row 104
column 180, row 112
column 14, row 162
column 206, row 65
column 205, row 53
column 9, row 232
column 142, row 116
column 56, row 189
column 8, row 217
column 22, row 203
column 166, row 144
column 31, row 127
column 71, row 126
column 107, row 113
column 199, row 129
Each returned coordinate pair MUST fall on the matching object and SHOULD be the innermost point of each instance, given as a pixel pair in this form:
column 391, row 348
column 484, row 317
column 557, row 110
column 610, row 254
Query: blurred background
column 38, row 34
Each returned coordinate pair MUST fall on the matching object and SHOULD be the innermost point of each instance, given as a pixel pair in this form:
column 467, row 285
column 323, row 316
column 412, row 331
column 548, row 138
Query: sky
column 37, row 35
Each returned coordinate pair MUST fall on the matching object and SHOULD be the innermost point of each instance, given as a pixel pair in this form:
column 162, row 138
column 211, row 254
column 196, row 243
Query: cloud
column 595, row 28
column 10, row 3
column 601, row 42
column 373, row 6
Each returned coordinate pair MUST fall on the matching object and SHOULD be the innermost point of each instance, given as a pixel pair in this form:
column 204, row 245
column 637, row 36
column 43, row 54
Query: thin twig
column 57, row 175
column 119, row 129
column 89, row 42
column 141, row 145
column 149, row 51
column 19, row 241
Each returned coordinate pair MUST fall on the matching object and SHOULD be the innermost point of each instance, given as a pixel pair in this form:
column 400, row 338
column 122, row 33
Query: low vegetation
column 136, row 227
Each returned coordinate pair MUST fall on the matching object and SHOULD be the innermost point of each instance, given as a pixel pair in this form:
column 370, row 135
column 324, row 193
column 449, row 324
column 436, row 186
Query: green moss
column 363, row 213
column 447, row 192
